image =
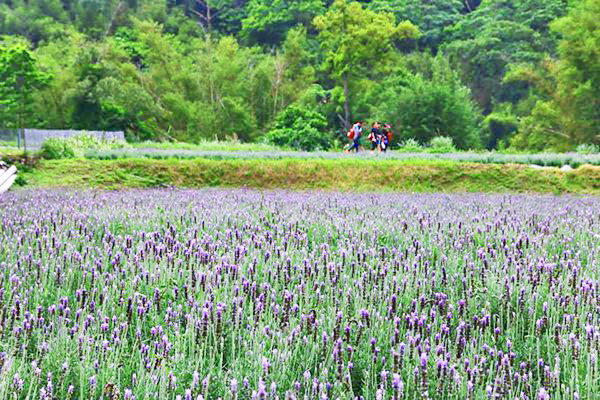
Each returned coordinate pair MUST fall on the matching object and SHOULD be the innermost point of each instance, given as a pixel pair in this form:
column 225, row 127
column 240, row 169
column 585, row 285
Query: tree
column 53, row 104
column 579, row 61
column 499, row 33
column 268, row 21
column 36, row 20
column 567, row 90
column 435, row 104
column 430, row 16
column 222, row 16
column 352, row 38
column 301, row 129
column 19, row 77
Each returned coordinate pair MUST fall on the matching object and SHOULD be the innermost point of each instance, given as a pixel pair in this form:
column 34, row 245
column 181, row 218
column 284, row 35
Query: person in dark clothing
column 375, row 136
column 357, row 129
column 386, row 134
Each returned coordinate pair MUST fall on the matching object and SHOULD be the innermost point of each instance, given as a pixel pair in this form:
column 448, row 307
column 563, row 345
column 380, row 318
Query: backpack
column 350, row 133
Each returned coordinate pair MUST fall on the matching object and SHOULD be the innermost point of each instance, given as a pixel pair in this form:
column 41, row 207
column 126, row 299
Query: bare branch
column 206, row 5
column 200, row 15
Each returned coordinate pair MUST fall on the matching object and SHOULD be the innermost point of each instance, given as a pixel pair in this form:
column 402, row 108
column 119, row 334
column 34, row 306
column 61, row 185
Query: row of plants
column 231, row 144
column 542, row 159
column 439, row 148
column 78, row 146
column 573, row 160
column 303, row 137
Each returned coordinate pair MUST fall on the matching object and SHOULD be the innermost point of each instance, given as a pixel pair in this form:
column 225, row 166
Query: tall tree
column 19, row 77
column 208, row 12
column 567, row 110
column 498, row 33
column 579, row 67
column 430, row 16
column 268, row 20
column 353, row 37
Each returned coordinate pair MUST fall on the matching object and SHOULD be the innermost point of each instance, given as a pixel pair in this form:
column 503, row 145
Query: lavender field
column 239, row 294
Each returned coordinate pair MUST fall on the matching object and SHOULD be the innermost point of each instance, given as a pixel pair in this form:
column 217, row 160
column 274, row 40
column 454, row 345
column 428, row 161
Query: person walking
column 387, row 135
column 357, row 129
column 375, row 137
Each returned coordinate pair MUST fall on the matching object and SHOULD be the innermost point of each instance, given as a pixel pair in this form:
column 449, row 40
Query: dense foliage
column 301, row 129
column 523, row 72
column 76, row 146
column 262, row 295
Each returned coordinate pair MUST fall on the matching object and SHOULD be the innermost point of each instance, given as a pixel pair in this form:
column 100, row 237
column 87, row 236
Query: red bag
column 350, row 134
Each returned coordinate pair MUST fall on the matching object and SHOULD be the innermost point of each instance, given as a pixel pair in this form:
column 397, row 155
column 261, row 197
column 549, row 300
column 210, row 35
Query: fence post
column 18, row 138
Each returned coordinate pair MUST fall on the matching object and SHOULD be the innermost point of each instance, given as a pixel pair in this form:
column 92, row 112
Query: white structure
column 7, row 178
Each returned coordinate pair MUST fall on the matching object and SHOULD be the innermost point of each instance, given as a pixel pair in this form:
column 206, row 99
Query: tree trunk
column 208, row 17
column 277, row 81
column 210, row 70
column 346, row 103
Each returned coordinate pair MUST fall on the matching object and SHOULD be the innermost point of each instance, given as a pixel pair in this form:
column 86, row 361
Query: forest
column 490, row 74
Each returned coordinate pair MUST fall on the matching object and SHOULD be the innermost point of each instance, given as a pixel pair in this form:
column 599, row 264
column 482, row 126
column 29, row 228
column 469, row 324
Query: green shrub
column 410, row 145
column 439, row 105
column 441, row 144
column 499, row 126
column 20, row 181
column 588, row 149
column 55, row 148
column 77, row 146
column 82, row 143
column 300, row 128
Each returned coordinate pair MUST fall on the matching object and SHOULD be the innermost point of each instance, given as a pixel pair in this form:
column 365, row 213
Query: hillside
column 488, row 74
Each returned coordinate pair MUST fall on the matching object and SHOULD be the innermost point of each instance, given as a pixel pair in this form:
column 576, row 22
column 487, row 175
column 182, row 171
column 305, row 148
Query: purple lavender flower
column 542, row 394
column 195, row 379
column 266, row 364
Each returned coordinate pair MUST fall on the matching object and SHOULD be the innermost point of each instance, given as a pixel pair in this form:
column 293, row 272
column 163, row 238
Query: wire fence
column 10, row 138
column 33, row 139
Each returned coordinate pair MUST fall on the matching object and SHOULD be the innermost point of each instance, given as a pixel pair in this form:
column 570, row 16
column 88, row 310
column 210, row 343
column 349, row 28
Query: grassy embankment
column 347, row 174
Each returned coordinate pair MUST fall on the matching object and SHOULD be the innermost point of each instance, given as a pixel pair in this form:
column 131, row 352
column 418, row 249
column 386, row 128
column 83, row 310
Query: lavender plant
column 238, row 294
column 406, row 153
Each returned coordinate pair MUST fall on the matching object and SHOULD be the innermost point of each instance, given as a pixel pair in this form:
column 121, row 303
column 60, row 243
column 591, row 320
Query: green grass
column 10, row 151
column 346, row 174
column 8, row 144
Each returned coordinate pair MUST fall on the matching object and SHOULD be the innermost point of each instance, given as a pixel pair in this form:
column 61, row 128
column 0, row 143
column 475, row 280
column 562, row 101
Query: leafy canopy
column 300, row 128
column 353, row 37
column 19, row 77
column 267, row 21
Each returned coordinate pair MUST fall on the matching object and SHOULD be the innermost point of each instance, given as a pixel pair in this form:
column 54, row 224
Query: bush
column 300, row 128
column 55, row 148
column 425, row 107
column 588, row 149
column 82, row 143
column 77, row 146
column 499, row 125
column 441, row 144
column 410, row 145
